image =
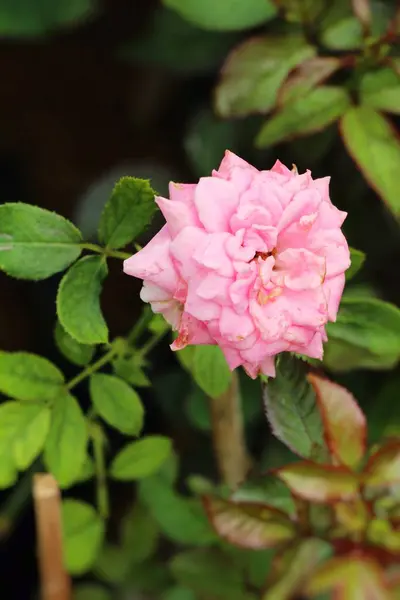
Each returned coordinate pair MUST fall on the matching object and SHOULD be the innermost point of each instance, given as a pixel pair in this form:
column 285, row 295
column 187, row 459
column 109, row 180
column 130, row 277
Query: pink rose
column 250, row 260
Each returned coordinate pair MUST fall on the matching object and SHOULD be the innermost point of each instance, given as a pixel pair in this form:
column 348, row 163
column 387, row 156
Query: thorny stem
column 228, row 435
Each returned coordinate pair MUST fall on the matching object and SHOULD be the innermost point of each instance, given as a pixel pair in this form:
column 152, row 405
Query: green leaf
column 117, row 403
column 224, row 15
column 79, row 354
column 131, row 370
column 209, row 574
column 357, row 260
column 382, row 413
column 29, row 377
column 175, row 44
column 178, row 593
column 127, row 213
column 91, row 591
column 256, row 564
column 366, row 334
column 197, row 410
column 249, row 525
column 23, row 431
column 65, row 449
column 297, row 564
column 254, row 72
column 210, row 370
column 78, row 301
column 319, row 483
column 35, row 243
column 307, row 76
column 139, row 534
column 383, row 467
column 266, row 489
column 309, row 114
column 344, row 422
column 381, row 90
column 292, row 409
column 373, row 144
column 112, row 565
column 83, row 532
column 180, row 519
column 33, row 19
column 340, row 29
column 141, row 459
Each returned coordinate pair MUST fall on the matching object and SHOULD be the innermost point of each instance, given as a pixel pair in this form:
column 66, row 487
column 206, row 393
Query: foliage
column 319, row 515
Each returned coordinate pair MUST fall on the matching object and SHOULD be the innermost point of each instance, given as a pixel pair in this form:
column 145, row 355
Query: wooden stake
column 55, row 583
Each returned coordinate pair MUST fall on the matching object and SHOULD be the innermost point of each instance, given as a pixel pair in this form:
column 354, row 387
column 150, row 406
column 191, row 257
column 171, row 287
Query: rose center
column 264, row 255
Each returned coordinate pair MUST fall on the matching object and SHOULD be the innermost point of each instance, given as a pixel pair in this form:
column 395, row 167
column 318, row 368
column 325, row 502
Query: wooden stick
column 228, row 435
column 55, row 582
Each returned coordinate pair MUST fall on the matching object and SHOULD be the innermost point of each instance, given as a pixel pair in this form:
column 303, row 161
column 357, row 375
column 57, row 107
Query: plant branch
column 100, row 468
column 96, row 366
column 106, row 251
column 229, row 436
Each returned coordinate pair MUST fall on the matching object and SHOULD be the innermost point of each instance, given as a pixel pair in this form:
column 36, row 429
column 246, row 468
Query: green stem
column 140, row 325
column 16, row 501
column 153, row 341
column 106, row 251
column 106, row 358
column 101, row 471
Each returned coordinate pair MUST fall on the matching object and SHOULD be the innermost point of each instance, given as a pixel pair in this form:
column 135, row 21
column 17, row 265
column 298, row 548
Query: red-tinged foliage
column 308, row 75
column 345, row 425
column 351, row 577
column 320, row 483
column 362, row 10
column 248, row 525
column 383, row 467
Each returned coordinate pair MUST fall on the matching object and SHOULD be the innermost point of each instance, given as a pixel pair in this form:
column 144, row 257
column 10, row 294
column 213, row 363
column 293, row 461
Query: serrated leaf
column 66, row 444
column 319, row 483
column 381, row 90
column 78, row 354
column 383, row 467
column 299, row 562
column 292, row 409
column 345, row 425
column 255, row 70
column 209, row 574
column 83, row 532
column 78, row 301
column 141, row 459
column 211, row 371
column 374, row 146
column 127, row 213
column 225, row 15
column 180, row 519
column 117, row 403
column 306, row 115
column 249, row 525
column 29, row 377
column 36, row 243
column 350, row 578
column 307, row 76
column 175, row 44
column 357, row 258
column 366, row 334
column 36, row 19
column 23, row 431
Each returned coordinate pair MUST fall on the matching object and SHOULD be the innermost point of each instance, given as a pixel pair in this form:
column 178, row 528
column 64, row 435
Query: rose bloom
column 250, row 260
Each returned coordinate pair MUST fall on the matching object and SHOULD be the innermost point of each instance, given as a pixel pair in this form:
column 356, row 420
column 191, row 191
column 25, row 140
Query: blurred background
column 91, row 91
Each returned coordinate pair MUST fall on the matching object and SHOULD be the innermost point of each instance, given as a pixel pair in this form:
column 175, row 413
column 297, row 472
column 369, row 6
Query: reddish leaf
column 383, row 467
column 248, row 525
column 319, row 483
column 351, row 578
column 306, row 76
column 350, row 518
column 344, row 422
column 362, row 10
